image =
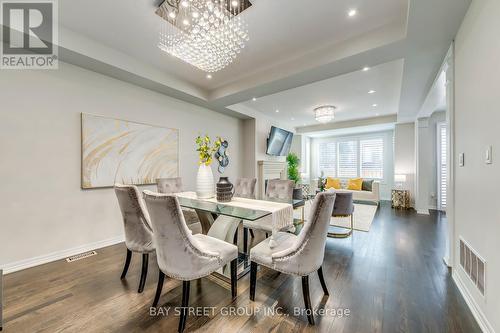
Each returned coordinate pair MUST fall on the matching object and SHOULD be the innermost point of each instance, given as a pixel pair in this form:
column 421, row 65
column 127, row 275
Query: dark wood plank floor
column 391, row 279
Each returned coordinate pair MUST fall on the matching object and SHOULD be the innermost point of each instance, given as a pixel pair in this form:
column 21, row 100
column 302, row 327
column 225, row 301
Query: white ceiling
column 348, row 92
column 278, row 29
column 298, row 51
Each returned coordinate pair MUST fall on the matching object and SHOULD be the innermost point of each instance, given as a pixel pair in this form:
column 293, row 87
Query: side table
column 400, row 198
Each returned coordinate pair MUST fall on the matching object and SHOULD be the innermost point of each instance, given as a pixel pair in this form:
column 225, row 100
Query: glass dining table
column 221, row 221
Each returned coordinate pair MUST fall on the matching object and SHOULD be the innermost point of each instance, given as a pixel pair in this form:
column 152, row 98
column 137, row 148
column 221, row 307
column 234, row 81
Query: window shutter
column 348, row 159
column 372, row 158
column 328, row 158
column 442, row 166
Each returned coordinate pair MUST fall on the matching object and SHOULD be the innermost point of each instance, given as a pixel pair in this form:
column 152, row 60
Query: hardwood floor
column 391, row 279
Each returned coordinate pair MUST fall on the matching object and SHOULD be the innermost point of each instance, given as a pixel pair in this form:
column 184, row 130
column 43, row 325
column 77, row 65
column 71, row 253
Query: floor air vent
column 473, row 265
column 81, row 256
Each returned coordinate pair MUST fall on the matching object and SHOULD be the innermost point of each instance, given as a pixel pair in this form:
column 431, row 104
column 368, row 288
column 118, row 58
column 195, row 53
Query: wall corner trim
column 478, row 314
column 58, row 255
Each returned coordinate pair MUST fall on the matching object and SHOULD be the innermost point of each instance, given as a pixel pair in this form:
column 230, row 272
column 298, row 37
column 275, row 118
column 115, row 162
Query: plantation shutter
column 372, row 158
column 328, row 158
column 348, row 159
column 443, row 170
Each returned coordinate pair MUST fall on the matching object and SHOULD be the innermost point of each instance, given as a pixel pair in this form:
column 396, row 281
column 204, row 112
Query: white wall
column 477, row 119
column 43, row 208
column 386, row 183
column 248, row 158
column 426, row 157
column 404, row 155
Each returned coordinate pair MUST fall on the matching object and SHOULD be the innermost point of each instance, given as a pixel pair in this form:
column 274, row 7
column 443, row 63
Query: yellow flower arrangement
column 206, row 150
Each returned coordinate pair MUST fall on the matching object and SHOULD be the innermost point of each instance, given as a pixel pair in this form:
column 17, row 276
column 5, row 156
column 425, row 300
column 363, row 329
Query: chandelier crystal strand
column 202, row 33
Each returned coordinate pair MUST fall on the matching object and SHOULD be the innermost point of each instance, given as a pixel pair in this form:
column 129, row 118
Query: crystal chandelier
column 325, row 113
column 207, row 34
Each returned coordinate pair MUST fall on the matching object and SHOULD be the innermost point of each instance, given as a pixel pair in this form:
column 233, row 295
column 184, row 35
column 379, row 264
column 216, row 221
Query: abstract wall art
column 120, row 151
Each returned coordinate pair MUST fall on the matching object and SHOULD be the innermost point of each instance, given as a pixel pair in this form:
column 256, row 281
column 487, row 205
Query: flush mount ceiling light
column 208, row 34
column 325, row 113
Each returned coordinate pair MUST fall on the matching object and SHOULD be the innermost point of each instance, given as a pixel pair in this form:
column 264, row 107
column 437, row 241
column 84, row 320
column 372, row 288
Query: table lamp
column 399, row 180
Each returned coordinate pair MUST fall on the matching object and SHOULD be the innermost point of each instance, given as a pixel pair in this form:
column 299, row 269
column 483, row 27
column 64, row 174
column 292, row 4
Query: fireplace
column 269, row 170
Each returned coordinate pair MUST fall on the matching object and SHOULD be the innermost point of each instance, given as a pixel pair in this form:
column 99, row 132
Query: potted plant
column 293, row 162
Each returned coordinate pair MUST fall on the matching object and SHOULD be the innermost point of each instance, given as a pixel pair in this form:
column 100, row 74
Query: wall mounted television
column 279, row 142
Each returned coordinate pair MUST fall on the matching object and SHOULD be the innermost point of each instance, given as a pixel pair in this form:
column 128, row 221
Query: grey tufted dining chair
column 278, row 189
column 138, row 232
column 180, row 254
column 174, row 185
column 298, row 255
column 344, row 207
column 169, row 185
column 245, row 188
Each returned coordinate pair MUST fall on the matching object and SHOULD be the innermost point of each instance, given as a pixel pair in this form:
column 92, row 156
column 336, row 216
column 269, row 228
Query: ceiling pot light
column 365, row 69
column 374, row 105
column 325, row 113
column 372, row 92
column 234, row 3
column 209, row 76
column 352, row 12
column 277, row 111
column 254, row 99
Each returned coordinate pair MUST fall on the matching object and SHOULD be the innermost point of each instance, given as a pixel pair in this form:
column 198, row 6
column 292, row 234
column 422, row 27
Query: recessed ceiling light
column 372, row 92
column 365, row 69
column 374, row 105
column 209, row 76
column 352, row 12
column 254, row 99
column 234, row 3
column 185, row 22
column 377, row 114
column 277, row 111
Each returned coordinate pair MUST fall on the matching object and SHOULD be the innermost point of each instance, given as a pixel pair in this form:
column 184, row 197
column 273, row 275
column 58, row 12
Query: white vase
column 205, row 186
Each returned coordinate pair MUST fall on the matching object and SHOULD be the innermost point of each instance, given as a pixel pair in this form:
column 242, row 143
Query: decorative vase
column 205, row 182
column 224, row 190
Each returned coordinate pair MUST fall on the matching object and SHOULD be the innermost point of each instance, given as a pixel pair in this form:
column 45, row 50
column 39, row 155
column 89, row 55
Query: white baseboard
column 478, row 314
column 423, row 211
column 40, row 260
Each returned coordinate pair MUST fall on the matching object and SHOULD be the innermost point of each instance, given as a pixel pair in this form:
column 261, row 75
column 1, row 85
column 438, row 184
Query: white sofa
column 366, row 196
column 363, row 196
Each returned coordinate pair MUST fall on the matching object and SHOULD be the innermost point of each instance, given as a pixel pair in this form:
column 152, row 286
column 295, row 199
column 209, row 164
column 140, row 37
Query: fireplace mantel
column 269, row 170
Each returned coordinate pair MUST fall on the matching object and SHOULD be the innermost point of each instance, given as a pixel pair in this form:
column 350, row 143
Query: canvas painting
column 120, row 151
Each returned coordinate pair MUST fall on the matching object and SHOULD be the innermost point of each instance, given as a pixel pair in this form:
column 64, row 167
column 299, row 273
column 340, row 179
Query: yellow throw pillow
column 355, row 184
column 332, row 183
